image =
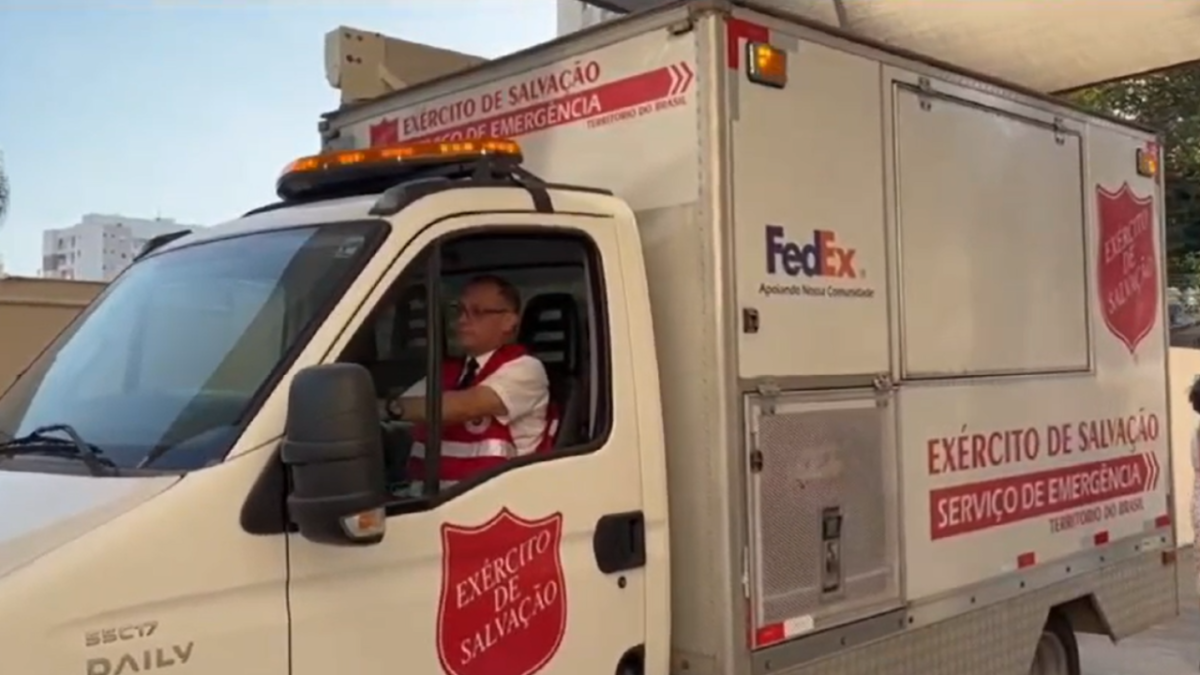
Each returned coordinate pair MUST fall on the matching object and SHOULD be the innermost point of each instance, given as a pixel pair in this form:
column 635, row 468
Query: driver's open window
column 529, row 303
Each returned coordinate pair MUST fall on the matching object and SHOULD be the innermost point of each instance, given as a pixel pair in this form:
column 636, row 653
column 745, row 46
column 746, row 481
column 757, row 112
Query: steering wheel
column 397, row 447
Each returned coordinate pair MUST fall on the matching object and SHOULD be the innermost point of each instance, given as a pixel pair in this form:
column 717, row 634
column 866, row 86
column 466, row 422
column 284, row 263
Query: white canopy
column 1045, row 45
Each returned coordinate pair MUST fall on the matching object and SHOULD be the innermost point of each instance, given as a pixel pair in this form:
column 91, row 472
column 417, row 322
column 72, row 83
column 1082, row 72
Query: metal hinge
column 756, row 461
column 883, row 383
column 756, row 456
column 925, row 93
column 746, row 572
column 768, row 391
column 884, row 386
column 1060, row 130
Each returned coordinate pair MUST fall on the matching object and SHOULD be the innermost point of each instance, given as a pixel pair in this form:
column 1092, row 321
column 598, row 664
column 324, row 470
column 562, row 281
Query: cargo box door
column 810, row 227
column 824, row 524
column 991, row 235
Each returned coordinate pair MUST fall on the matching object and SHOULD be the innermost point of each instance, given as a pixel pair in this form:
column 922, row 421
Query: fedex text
column 820, row 257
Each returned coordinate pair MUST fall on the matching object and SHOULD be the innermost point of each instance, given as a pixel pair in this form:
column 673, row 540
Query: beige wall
column 32, row 312
column 1185, row 366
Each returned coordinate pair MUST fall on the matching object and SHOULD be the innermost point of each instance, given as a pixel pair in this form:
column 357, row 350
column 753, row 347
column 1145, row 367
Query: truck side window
column 560, row 321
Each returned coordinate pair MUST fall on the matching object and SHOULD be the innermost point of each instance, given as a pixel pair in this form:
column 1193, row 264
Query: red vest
column 479, row 444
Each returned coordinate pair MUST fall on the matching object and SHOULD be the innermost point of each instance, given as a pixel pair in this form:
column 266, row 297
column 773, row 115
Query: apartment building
column 100, row 246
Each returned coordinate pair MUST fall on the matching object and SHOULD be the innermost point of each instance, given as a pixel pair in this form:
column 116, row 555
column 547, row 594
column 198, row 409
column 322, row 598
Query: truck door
column 537, row 565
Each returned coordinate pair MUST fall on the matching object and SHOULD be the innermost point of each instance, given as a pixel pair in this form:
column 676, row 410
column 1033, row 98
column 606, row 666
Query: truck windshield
column 173, row 356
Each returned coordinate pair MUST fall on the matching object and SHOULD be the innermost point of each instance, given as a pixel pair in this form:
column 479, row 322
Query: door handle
column 619, row 542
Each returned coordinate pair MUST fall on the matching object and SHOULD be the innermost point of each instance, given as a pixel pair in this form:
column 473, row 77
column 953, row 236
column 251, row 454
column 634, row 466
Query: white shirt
column 524, row 388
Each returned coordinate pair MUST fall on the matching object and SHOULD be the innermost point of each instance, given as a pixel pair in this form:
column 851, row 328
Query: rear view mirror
column 333, row 450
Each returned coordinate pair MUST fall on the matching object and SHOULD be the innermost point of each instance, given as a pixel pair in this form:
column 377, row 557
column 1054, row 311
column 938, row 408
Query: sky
column 189, row 110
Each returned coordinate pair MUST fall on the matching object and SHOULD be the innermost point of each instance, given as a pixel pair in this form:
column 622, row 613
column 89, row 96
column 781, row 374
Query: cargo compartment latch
column 750, row 321
column 831, row 552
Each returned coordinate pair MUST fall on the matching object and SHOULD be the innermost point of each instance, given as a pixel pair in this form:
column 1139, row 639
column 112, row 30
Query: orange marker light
column 316, row 172
column 436, row 150
column 1147, row 160
column 365, row 526
column 766, row 64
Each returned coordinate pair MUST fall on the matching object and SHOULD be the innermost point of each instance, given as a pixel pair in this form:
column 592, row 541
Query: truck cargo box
column 909, row 327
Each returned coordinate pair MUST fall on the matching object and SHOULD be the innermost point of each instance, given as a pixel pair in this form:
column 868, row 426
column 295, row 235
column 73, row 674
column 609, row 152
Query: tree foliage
column 4, row 191
column 1169, row 102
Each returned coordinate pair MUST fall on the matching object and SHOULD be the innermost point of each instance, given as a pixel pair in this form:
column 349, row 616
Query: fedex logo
column 821, row 257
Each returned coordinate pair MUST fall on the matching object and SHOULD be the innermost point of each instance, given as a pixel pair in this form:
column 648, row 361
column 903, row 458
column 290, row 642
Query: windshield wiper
column 39, row 441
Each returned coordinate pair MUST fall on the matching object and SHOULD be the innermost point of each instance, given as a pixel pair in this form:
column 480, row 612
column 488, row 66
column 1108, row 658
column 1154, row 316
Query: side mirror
column 333, row 451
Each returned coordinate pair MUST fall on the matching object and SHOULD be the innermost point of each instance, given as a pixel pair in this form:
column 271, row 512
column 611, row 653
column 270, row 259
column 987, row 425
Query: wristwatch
column 395, row 412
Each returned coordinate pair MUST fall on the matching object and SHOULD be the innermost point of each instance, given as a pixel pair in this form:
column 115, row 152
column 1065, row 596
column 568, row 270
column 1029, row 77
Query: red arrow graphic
column 682, row 77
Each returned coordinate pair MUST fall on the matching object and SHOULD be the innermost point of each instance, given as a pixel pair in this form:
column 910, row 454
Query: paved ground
column 1173, row 649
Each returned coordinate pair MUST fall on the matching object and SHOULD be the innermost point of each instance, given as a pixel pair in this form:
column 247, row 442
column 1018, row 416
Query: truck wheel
column 1057, row 650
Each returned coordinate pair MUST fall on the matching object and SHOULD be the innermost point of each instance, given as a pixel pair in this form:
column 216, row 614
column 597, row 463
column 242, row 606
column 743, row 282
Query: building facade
column 574, row 15
column 100, row 246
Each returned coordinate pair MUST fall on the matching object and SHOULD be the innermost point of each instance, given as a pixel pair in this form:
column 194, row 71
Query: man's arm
column 457, row 406
column 513, row 391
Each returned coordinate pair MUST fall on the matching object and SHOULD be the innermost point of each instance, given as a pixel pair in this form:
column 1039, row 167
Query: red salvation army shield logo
column 503, row 605
column 1127, row 265
column 386, row 132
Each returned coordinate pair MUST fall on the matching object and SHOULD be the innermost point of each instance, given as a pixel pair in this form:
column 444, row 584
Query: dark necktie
column 468, row 374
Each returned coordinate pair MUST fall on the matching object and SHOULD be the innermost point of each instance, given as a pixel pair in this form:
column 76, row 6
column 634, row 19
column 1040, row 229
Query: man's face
column 485, row 321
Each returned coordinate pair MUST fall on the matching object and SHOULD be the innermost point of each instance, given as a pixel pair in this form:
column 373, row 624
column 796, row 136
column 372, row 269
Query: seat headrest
column 408, row 323
column 550, row 329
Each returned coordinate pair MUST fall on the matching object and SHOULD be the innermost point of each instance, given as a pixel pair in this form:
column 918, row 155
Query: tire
column 1057, row 651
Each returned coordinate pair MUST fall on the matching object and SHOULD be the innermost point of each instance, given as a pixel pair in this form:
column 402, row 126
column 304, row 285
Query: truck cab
column 206, row 480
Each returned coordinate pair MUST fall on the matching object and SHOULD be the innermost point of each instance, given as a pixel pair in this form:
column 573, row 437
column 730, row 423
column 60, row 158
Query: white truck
column 859, row 359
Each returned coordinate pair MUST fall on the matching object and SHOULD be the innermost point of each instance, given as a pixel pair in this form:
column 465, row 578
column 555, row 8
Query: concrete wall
column 32, row 312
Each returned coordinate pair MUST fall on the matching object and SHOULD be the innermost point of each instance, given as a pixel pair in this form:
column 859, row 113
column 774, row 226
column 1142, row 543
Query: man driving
column 495, row 398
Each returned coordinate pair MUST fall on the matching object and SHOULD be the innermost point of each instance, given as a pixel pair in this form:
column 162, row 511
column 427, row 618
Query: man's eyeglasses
column 459, row 311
